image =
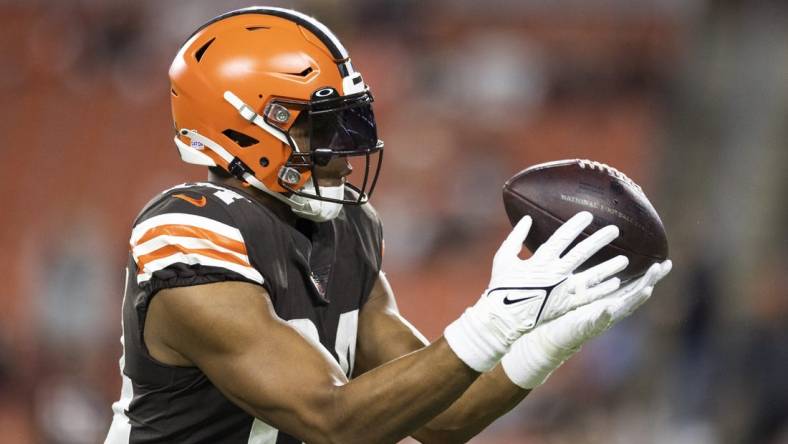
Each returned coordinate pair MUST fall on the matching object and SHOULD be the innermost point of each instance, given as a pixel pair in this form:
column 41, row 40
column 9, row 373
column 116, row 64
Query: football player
column 255, row 308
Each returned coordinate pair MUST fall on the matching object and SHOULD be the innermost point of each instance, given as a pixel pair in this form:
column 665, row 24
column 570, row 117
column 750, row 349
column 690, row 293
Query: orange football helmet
column 268, row 93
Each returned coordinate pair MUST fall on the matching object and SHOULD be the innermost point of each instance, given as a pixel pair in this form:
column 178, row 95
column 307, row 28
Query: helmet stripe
column 320, row 30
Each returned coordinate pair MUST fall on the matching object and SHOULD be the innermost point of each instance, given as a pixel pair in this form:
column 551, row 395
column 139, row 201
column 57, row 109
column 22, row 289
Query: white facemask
column 318, row 210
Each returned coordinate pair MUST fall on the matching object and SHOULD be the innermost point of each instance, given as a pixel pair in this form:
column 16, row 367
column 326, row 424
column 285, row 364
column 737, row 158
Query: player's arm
column 230, row 331
column 384, row 335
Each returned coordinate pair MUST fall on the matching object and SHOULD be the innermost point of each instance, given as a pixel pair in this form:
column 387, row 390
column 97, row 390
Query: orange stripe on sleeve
column 169, row 250
column 192, row 231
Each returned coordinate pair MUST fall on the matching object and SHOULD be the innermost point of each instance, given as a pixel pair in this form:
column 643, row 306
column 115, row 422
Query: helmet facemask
column 328, row 126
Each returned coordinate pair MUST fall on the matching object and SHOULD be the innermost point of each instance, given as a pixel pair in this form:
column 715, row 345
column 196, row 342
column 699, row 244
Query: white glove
column 538, row 353
column 523, row 293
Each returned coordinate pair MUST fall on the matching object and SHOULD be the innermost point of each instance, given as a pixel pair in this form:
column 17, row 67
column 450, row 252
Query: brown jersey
column 318, row 276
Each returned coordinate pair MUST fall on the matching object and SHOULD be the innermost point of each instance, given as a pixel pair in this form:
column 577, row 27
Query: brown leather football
column 553, row 192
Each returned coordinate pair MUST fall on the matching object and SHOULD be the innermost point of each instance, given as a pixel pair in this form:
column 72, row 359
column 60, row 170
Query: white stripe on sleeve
column 194, row 259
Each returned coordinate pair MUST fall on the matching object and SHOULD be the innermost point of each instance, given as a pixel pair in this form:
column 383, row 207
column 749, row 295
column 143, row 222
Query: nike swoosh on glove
column 538, row 353
column 523, row 293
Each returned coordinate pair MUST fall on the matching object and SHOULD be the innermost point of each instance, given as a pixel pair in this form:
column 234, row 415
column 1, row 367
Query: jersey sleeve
column 187, row 239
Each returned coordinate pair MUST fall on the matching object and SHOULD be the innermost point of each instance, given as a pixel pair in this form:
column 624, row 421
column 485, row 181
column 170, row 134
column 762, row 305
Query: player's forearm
column 390, row 402
column 488, row 398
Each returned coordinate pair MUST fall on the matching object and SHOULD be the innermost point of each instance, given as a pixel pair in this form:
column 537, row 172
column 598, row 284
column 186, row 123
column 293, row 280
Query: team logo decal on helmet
column 268, row 94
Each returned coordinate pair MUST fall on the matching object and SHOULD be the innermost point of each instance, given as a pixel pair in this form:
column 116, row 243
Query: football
column 553, row 192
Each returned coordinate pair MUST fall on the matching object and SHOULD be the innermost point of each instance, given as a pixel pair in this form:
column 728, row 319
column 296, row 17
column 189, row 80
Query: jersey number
column 345, row 343
column 344, row 346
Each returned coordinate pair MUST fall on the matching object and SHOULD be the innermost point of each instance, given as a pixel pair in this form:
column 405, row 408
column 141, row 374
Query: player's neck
column 276, row 206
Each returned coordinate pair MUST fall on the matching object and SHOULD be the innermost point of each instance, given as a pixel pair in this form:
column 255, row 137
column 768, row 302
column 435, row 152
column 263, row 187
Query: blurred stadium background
column 689, row 97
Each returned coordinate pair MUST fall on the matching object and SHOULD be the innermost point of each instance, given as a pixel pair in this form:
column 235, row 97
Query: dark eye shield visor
column 339, row 127
column 346, row 131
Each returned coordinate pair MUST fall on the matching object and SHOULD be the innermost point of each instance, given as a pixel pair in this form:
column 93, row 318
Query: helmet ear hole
column 241, row 139
column 263, row 161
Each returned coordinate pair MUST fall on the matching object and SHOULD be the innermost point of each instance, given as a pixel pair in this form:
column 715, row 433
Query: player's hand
column 538, row 353
column 549, row 275
column 523, row 293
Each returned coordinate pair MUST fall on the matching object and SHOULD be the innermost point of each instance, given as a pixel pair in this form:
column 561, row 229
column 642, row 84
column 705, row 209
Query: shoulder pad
column 190, row 224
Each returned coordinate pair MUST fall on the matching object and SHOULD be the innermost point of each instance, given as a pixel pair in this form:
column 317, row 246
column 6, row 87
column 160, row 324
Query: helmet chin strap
column 320, row 210
column 312, row 209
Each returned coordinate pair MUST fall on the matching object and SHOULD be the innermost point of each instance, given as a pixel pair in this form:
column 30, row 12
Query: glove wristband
column 474, row 341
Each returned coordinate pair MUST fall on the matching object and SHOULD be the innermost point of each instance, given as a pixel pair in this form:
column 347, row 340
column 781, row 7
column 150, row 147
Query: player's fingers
column 640, row 291
column 586, row 295
column 589, row 246
column 574, row 328
column 647, row 280
column 626, row 305
column 652, row 275
column 600, row 272
column 584, row 284
column 565, row 234
column 665, row 268
column 513, row 243
column 605, row 288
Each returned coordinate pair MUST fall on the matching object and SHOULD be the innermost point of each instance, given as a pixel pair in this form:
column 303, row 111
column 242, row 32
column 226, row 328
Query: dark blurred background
column 688, row 97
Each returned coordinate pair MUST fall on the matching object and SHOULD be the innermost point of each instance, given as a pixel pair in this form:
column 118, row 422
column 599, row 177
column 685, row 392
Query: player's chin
column 330, row 181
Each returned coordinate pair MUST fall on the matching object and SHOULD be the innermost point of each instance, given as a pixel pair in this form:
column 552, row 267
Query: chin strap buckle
column 238, row 168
